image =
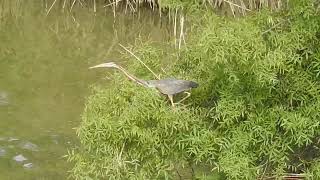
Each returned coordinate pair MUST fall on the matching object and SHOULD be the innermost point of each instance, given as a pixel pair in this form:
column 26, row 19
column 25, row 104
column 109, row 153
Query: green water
column 44, row 78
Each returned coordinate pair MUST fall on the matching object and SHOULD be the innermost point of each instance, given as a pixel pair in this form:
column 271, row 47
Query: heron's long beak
column 97, row 66
column 110, row 64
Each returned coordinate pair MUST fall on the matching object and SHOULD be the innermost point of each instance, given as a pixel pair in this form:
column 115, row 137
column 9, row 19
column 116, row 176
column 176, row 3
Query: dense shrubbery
column 256, row 112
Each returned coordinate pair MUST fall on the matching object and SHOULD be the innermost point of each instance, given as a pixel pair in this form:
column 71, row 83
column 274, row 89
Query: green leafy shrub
column 255, row 113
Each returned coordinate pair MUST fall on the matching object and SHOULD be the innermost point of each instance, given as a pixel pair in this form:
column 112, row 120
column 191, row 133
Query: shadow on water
column 44, row 80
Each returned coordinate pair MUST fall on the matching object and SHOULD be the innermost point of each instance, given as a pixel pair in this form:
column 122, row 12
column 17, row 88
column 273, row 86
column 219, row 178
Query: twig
column 163, row 71
column 288, row 176
column 114, row 41
column 274, row 26
column 139, row 60
column 120, row 154
column 231, row 3
column 264, row 171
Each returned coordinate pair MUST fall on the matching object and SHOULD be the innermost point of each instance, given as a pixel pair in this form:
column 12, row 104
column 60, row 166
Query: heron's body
column 169, row 86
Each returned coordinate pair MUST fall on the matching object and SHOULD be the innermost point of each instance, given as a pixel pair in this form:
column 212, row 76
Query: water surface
column 44, row 79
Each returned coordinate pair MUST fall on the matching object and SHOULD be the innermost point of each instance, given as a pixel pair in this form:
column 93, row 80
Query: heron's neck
column 133, row 78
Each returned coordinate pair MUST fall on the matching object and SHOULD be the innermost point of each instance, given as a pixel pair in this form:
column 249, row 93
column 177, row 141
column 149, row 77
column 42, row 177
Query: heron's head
column 109, row 64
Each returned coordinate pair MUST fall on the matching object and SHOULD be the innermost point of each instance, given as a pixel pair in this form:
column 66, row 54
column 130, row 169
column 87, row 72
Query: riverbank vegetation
column 254, row 115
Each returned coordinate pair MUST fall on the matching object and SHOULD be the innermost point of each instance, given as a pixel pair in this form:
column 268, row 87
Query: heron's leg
column 171, row 99
column 188, row 95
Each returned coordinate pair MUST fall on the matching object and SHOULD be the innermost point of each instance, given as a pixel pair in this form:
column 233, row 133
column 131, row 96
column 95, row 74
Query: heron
column 168, row 86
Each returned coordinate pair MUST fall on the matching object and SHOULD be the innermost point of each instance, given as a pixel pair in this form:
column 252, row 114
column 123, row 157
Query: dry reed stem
column 243, row 11
column 160, row 12
column 113, row 3
column 74, row 19
column 46, row 6
column 169, row 15
column 80, row 3
column 181, row 30
column 175, row 28
column 94, row 6
column 232, row 10
column 51, row 7
column 126, row 9
column 131, row 7
column 155, row 75
column 74, row 1
column 64, row 4
column 236, row 6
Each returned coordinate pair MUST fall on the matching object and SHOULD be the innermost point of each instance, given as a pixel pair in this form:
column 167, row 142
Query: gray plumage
column 169, row 86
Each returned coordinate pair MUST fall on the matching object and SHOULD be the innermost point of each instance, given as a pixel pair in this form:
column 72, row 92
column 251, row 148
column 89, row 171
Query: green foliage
column 255, row 113
column 131, row 118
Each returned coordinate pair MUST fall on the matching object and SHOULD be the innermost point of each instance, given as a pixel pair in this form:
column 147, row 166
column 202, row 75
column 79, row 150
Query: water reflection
column 44, row 81
column 3, row 98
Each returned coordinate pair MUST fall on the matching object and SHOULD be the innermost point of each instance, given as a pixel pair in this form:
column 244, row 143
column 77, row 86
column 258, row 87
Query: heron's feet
column 186, row 97
column 171, row 99
column 179, row 102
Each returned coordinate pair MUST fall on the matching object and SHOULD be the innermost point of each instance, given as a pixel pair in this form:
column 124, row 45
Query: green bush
column 256, row 112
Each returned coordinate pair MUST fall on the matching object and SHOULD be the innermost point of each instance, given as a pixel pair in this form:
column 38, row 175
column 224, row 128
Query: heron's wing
column 173, row 86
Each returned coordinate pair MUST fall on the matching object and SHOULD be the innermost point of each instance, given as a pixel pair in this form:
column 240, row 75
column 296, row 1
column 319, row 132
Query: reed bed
column 169, row 7
column 236, row 7
column 174, row 10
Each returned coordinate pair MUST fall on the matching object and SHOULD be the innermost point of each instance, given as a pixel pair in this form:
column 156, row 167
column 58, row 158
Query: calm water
column 44, row 79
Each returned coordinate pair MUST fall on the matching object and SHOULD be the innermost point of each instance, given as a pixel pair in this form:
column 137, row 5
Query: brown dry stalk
column 155, row 75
